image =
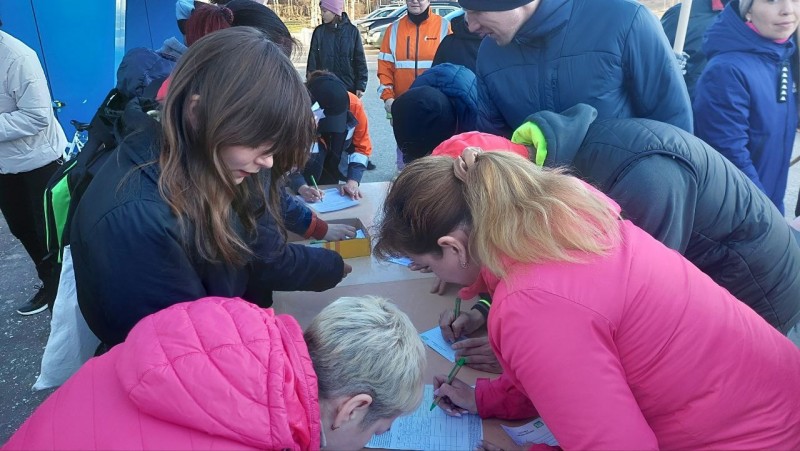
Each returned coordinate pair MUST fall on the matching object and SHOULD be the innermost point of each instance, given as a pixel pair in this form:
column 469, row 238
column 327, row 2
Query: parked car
column 377, row 14
column 374, row 34
column 394, row 14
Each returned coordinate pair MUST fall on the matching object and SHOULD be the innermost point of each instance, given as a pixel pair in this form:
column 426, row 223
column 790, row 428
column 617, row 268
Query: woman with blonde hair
column 614, row 340
column 222, row 373
column 190, row 208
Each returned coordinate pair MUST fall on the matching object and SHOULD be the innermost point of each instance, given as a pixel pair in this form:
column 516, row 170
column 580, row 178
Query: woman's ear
column 456, row 241
column 191, row 111
column 351, row 410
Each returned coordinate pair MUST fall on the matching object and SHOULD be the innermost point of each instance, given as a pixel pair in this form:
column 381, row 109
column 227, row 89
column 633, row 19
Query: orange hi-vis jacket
column 407, row 50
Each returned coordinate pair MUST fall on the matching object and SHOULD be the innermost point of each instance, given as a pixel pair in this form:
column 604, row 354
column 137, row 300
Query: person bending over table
column 220, row 373
column 613, row 339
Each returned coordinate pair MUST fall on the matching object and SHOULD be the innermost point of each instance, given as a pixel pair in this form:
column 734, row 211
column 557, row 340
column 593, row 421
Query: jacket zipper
column 416, row 55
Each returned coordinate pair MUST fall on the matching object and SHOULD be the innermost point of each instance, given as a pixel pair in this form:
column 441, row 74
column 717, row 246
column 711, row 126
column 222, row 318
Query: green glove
column 529, row 134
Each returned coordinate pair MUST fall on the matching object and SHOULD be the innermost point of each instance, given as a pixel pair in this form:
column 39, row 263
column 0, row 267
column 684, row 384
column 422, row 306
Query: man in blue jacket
column 553, row 54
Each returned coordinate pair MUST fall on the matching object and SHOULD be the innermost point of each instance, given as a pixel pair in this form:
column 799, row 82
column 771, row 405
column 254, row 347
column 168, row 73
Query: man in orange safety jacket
column 408, row 48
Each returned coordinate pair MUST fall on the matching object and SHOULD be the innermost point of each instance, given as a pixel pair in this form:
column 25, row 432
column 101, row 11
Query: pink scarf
column 753, row 27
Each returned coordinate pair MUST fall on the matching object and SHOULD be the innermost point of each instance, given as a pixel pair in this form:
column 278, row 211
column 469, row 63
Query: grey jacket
column 30, row 136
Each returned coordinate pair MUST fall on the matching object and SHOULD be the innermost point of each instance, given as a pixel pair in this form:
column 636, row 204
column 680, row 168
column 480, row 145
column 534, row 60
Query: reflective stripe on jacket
column 407, row 51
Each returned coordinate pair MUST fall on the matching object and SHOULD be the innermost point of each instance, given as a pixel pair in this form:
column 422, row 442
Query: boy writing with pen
column 343, row 145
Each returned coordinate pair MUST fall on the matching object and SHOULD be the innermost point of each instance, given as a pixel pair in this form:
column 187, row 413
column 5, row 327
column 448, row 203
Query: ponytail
column 523, row 213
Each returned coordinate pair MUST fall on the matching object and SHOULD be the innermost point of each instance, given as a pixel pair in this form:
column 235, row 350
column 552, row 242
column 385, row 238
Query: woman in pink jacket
column 222, row 373
column 614, row 340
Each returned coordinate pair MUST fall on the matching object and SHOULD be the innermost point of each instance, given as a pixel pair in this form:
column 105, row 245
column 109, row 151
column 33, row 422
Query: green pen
column 314, row 181
column 450, row 377
column 457, row 310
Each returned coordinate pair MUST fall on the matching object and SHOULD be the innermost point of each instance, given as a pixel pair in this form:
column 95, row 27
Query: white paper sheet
column 436, row 341
column 534, row 432
column 333, row 201
column 431, row 430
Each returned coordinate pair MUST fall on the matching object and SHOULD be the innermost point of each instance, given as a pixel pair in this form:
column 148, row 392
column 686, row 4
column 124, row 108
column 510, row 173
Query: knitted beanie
column 422, row 118
column 334, row 6
column 492, row 5
column 744, row 7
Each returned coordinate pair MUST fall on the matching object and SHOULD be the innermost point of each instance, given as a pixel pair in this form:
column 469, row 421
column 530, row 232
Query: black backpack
column 69, row 182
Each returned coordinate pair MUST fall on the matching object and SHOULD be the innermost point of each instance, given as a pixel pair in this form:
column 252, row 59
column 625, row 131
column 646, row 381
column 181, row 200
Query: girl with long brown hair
column 616, row 341
column 189, row 208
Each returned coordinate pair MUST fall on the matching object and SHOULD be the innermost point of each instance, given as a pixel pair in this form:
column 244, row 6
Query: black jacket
column 337, row 48
column 130, row 259
column 460, row 47
column 689, row 197
column 701, row 17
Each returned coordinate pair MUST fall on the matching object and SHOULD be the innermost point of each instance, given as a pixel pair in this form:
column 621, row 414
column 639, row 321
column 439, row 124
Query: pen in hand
column 319, row 193
column 456, row 312
column 450, row 377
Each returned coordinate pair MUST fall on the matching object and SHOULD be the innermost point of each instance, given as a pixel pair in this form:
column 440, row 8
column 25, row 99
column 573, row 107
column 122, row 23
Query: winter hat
column 422, row 118
column 744, row 7
column 331, row 94
column 455, row 145
column 334, row 6
column 183, row 9
column 492, row 5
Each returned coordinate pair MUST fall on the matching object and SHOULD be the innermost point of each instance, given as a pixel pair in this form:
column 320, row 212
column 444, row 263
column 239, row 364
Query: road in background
column 22, row 339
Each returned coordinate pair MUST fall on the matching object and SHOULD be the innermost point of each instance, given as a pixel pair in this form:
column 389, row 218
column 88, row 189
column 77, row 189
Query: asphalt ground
column 22, row 339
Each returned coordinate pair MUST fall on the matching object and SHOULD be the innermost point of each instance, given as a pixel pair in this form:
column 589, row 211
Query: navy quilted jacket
column 459, row 85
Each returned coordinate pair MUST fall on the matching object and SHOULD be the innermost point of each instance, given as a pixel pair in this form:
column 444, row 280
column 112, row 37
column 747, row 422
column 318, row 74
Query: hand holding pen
column 452, row 395
column 310, row 194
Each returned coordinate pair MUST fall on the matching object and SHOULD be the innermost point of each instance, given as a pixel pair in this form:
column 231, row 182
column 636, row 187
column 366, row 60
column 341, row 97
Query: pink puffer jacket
column 210, row 374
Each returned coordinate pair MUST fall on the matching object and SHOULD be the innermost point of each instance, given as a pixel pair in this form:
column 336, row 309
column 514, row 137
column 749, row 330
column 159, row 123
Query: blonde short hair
column 367, row 345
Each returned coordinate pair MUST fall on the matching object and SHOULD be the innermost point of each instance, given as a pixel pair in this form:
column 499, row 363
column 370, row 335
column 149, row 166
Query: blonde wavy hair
column 514, row 211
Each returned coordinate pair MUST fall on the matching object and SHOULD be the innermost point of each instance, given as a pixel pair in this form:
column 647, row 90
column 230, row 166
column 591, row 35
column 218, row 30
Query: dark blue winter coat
column 610, row 54
column 131, row 259
column 739, row 108
column 460, row 47
column 459, row 85
column 683, row 193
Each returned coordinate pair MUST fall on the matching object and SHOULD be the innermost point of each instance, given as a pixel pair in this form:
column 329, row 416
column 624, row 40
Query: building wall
column 80, row 44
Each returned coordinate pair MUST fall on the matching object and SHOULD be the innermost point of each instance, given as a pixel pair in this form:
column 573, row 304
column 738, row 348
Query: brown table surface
column 409, row 290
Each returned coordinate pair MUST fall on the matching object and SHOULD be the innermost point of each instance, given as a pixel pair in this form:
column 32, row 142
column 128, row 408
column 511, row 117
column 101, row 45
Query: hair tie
column 466, row 161
column 228, row 13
